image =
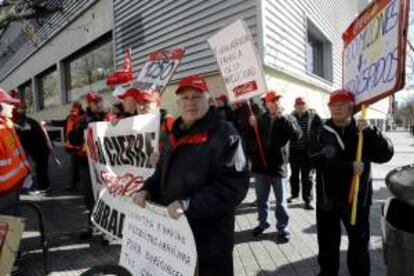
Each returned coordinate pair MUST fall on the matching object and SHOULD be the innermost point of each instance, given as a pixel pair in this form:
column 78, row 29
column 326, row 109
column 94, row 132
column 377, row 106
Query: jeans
column 279, row 185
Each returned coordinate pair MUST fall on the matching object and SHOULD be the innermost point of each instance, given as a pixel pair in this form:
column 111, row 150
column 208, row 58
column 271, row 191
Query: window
column 318, row 53
column 89, row 71
column 48, row 89
column 26, row 93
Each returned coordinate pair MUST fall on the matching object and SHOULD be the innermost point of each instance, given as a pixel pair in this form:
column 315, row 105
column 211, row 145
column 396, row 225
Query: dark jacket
column 76, row 137
column 33, row 139
column 275, row 133
column 207, row 167
column 332, row 150
column 240, row 119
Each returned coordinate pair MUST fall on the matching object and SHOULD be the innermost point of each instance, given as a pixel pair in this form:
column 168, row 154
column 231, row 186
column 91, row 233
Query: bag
column 11, row 231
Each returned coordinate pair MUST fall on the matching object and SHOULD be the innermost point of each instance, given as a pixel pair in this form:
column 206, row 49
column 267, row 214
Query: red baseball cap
column 341, row 95
column 149, row 96
column 222, row 98
column 271, row 96
column 196, row 82
column 93, row 97
column 300, row 101
column 6, row 98
column 131, row 92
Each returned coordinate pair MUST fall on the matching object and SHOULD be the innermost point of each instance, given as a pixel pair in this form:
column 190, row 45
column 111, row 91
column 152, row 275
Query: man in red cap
column 14, row 167
column 332, row 150
column 298, row 155
column 203, row 176
column 129, row 99
column 276, row 130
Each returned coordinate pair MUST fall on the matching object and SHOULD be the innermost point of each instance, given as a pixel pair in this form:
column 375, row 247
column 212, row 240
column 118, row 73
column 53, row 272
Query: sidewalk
column 64, row 215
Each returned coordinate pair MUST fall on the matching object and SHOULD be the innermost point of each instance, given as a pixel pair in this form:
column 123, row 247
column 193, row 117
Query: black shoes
column 291, row 199
column 308, row 206
column 258, row 231
column 283, row 235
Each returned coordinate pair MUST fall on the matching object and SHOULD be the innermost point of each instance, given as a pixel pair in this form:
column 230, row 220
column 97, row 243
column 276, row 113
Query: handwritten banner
column 119, row 162
column 154, row 244
column 234, row 50
column 159, row 69
column 374, row 51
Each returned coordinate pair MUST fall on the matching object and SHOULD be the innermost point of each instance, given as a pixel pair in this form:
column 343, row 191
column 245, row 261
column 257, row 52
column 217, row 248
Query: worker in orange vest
column 75, row 152
column 14, row 166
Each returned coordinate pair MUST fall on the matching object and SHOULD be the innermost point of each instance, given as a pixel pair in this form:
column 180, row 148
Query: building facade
column 299, row 44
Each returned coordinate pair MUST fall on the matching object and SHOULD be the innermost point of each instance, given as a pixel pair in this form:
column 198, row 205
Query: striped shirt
column 302, row 143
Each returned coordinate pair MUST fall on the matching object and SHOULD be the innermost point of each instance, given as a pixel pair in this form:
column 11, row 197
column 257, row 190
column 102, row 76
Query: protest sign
column 11, row 231
column 159, row 69
column 154, row 244
column 234, row 50
column 375, row 50
column 119, row 162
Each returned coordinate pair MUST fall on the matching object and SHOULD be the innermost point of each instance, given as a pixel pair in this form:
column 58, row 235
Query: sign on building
column 119, row 162
column 375, row 50
column 155, row 244
column 159, row 69
column 235, row 52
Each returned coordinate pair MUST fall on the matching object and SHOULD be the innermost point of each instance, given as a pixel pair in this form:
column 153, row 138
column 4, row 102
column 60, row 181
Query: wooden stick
column 356, row 178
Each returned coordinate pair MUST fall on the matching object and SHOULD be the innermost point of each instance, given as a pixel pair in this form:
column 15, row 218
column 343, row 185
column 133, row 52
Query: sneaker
column 291, row 199
column 258, row 231
column 308, row 206
column 283, row 235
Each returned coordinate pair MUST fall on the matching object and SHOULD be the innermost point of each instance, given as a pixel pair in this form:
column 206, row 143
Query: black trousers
column 329, row 239
column 42, row 172
column 301, row 172
column 224, row 268
column 75, row 167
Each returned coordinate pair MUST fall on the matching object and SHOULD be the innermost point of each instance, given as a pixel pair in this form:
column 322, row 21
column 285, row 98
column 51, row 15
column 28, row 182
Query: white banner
column 159, row 69
column 235, row 52
column 119, row 162
column 374, row 52
column 154, row 244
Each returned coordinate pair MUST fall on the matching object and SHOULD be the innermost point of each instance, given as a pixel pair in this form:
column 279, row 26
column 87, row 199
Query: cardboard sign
column 234, row 50
column 155, row 244
column 375, row 50
column 119, row 162
column 11, row 231
column 159, row 69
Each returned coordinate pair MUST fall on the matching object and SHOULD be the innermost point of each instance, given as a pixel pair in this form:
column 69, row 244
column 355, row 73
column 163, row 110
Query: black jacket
column 33, row 139
column 275, row 133
column 332, row 150
column 206, row 167
column 76, row 137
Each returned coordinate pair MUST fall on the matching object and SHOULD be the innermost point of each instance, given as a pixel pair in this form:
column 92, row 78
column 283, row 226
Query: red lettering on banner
column 166, row 55
column 91, row 145
column 123, row 185
column 245, row 88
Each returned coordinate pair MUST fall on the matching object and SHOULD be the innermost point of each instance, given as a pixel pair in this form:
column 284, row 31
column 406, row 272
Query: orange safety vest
column 70, row 125
column 13, row 161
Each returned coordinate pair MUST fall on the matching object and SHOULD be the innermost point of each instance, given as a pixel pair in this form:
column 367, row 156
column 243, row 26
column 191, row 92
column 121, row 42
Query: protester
column 14, row 167
column 223, row 107
column 203, row 176
column 276, row 130
column 35, row 143
column 298, row 155
column 129, row 102
column 94, row 113
column 76, row 112
column 332, row 148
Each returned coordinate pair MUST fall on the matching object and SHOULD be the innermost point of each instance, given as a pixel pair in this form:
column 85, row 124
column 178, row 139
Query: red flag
column 123, row 75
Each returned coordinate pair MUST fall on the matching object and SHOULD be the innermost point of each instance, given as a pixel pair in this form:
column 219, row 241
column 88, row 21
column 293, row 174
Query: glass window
column 48, row 89
column 89, row 71
column 318, row 53
column 27, row 94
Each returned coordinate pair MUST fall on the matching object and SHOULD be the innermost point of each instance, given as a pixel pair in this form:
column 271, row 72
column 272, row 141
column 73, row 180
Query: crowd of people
column 227, row 145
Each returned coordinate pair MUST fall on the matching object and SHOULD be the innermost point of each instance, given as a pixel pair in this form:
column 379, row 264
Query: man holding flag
column 332, row 150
